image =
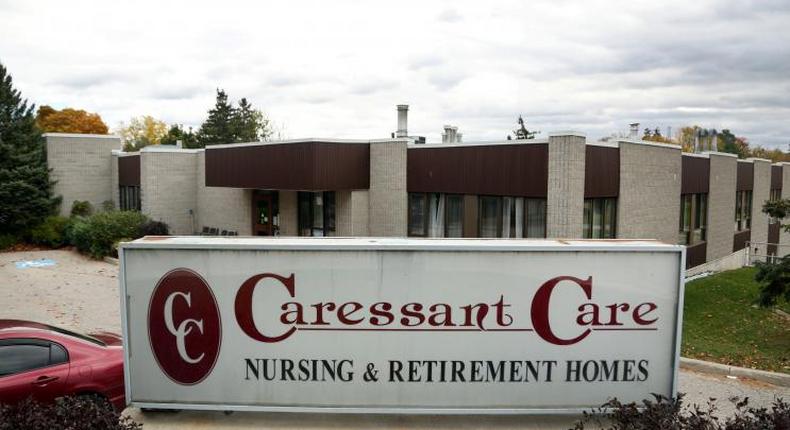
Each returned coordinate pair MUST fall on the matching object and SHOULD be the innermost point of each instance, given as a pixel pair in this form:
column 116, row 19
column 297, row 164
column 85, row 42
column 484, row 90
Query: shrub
column 97, row 234
column 8, row 240
column 81, row 208
column 50, row 232
column 664, row 413
column 107, row 206
column 774, row 280
column 154, row 228
column 66, row 413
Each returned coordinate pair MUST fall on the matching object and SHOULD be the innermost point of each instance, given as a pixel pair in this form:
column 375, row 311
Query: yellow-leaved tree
column 142, row 131
column 69, row 120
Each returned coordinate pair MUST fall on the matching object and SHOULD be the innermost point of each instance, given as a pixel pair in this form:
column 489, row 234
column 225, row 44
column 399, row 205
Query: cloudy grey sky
column 337, row 69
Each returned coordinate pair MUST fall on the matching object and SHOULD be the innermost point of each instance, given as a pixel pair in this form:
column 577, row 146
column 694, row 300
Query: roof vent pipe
column 403, row 118
column 450, row 134
column 634, row 133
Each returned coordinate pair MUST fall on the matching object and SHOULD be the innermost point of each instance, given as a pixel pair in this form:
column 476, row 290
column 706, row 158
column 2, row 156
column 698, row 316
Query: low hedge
column 67, row 413
column 671, row 414
column 50, row 233
column 96, row 235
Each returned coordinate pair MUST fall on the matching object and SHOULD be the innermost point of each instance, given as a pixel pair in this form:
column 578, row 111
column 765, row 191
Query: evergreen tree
column 250, row 125
column 25, row 189
column 176, row 132
column 218, row 127
column 229, row 124
column 521, row 132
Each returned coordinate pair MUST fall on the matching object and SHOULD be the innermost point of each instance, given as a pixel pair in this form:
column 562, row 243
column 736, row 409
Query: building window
column 435, row 215
column 600, row 218
column 454, row 215
column 536, row 217
column 489, row 216
column 700, row 218
column 743, row 210
column 129, row 197
column 316, row 213
column 693, row 225
column 418, row 218
column 512, row 217
column 776, row 194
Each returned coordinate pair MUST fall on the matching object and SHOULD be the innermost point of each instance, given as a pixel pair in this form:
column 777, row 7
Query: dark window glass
column 684, row 232
column 305, row 214
column 20, row 358
column 738, row 209
column 536, row 217
column 700, row 217
column 743, row 210
column 129, row 198
column 57, row 354
column 490, row 216
column 610, row 219
column 597, row 219
column 587, row 217
column 600, row 218
column 748, row 210
column 316, row 213
column 417, row 214
column 454, row 216
column 329, row 211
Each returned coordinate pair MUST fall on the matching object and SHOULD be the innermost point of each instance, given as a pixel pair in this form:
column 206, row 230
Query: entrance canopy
column 309, row 165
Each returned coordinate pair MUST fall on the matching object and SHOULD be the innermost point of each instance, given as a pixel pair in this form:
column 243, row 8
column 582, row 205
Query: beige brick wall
column 388, row 198
column 114, row 192
column 351, row 213
column 784, row 238
column 168, row 188
column 565, row 198
column 721, row 205
column 289, row 213
column 649, row 202
column 81, row 167
column 222, row 208
column 343, row 213
column 760, row 194
column 360, row 213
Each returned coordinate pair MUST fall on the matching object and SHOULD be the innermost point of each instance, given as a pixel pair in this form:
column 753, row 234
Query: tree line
column 696, row 139
column 226, row 122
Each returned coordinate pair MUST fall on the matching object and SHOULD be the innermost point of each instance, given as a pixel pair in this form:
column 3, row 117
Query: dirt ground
column 82, row 294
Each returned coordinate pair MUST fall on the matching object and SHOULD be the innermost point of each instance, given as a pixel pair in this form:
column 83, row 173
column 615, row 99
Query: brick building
column 559, row 187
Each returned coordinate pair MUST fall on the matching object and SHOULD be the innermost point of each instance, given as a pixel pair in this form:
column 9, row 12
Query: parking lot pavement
column 82, row 294
column 76, row 292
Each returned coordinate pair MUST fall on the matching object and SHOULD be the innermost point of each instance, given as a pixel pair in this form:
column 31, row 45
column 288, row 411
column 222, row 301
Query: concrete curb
column 780, row 379
column 111, row 260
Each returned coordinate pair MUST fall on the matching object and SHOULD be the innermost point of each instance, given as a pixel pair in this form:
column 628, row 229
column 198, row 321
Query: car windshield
column 81, row 336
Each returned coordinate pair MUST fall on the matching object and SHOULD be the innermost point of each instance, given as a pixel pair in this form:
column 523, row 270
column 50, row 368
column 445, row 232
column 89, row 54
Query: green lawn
column 721, row 324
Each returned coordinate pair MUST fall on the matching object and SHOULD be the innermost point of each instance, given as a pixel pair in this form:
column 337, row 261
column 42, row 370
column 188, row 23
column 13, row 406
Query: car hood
column 111, row 339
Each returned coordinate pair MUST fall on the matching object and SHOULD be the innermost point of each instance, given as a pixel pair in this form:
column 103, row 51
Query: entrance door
column 263, row 214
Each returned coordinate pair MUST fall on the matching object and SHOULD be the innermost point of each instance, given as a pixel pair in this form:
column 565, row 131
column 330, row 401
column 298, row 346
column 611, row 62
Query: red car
column 47, row 362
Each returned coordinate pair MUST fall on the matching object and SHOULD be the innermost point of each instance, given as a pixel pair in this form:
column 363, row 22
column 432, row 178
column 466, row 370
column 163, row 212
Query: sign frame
column 389, row 244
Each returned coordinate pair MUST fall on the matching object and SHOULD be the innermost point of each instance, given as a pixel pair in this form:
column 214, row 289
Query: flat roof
column 78, row 135
column 397, row 244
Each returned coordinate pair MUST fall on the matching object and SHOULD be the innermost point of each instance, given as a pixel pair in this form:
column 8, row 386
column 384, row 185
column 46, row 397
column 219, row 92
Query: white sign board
column 399, row 325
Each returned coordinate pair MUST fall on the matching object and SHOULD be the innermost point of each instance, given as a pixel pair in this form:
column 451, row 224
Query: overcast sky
column 337, row 69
